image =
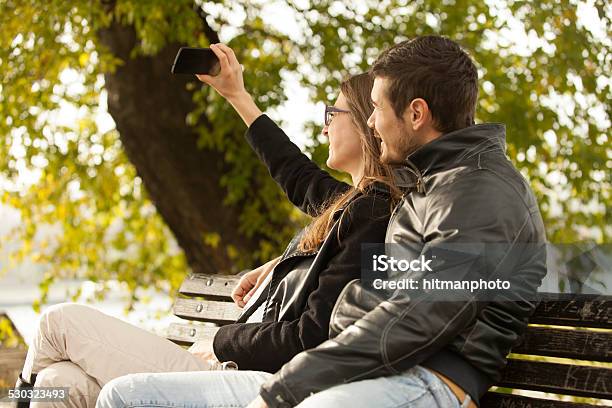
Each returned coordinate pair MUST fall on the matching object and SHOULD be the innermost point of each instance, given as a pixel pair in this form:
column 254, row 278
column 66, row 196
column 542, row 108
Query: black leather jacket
column 462, row 190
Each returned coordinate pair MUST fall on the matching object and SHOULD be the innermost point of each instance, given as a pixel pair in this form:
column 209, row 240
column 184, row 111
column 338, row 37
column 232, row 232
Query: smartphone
column 191, row 60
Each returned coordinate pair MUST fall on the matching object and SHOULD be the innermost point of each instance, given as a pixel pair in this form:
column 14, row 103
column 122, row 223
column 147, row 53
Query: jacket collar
column 448, row 150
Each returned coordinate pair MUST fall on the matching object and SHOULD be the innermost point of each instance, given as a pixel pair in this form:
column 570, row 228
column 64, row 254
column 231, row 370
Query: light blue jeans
column 416, row 388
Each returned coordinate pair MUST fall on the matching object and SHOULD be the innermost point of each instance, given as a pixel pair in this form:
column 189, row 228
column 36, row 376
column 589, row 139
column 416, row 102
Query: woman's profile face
column 344, row 141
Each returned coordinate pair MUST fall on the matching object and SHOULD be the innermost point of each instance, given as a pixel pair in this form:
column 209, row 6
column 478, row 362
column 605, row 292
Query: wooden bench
column 576, row 327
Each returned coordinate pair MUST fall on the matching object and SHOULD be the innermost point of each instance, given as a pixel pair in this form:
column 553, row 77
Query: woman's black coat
column 304, row 286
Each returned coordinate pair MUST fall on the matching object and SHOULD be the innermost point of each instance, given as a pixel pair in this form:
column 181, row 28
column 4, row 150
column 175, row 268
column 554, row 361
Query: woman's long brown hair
column 356, row 90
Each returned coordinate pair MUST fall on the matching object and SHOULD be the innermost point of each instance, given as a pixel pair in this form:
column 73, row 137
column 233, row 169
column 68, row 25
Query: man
column 466, row 203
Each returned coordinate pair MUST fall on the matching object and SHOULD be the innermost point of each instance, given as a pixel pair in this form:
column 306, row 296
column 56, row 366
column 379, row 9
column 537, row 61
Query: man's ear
column 417, row 114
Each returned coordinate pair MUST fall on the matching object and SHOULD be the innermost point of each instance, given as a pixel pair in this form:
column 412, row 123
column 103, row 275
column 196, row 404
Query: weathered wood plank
column 574, row 310
column 207, row 311
column 11, row 363
column 554, row 309
column 10, row 357
column 187, row 334
column 497, row 400
column 567, row 379
column 209, row 285
column 576, row 344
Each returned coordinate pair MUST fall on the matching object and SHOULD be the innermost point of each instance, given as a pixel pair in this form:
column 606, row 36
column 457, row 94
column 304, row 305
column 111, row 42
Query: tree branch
column 211, row 34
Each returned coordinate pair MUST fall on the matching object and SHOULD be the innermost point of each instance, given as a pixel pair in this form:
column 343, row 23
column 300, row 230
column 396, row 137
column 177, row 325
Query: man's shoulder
column 484, row 180
column 479, row 193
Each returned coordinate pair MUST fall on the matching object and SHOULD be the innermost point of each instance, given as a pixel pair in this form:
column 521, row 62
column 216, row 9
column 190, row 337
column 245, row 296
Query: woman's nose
column 370, row 121
column 325, row 131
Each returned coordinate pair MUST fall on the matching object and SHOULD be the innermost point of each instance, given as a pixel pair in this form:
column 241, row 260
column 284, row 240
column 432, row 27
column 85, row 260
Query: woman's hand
column 250, row 281
column 229, row 82
column 230, row 85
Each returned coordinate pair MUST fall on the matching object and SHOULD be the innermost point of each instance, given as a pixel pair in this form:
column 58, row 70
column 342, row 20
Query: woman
column 292, row 310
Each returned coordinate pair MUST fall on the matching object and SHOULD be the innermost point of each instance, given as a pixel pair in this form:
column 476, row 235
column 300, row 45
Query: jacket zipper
column 394, row 214
column 419, row 186
column 415, row 170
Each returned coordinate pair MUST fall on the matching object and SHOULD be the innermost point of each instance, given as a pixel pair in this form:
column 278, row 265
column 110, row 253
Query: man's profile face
column 395, row 136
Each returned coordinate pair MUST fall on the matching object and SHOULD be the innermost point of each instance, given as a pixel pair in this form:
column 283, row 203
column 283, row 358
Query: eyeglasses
column 329, row 113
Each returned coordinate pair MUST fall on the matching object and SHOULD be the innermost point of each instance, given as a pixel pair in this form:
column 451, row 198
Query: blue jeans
column 416, row 388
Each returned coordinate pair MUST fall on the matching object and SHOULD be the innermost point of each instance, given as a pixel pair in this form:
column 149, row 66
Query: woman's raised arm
column 230, row 84
column 306, row 185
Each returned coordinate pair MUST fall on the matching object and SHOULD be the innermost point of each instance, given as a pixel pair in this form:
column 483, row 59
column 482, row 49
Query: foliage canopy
column 543, row 73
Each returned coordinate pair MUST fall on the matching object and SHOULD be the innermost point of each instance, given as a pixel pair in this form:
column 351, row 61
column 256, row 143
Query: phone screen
column 196, row 61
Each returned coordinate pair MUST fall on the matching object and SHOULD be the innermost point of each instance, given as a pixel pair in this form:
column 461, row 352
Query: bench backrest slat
column 586, row 381
column 578, row 344
column 206, row 310
column 209, row 285
column 493, row 399
column 572, row 310
column 187, row 334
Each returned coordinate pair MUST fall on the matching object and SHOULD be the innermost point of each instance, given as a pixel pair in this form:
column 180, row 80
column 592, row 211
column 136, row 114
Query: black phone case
column 192, row 61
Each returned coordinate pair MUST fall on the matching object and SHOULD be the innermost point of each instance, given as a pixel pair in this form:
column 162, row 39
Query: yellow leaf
column 83, row 59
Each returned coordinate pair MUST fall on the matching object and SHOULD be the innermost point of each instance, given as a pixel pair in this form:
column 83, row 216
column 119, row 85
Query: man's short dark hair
column 435, row 69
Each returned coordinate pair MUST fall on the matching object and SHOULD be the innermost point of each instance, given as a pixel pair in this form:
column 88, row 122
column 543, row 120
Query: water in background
column 19, row 289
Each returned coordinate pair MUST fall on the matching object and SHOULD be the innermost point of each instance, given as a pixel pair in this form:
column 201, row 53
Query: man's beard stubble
column 407, row 145
column 408, row 142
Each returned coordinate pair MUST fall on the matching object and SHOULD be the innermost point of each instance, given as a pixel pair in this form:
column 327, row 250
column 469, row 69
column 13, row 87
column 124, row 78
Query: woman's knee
column 54, row 316
column 65, row 374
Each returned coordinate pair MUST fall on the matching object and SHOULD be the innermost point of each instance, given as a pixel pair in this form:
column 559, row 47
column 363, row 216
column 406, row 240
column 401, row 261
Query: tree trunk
column 149, row 106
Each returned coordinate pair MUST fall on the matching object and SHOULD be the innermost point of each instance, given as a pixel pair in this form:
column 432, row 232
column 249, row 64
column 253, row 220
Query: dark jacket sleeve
column 267, row 346
column 405, row 330
column 306, row 185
